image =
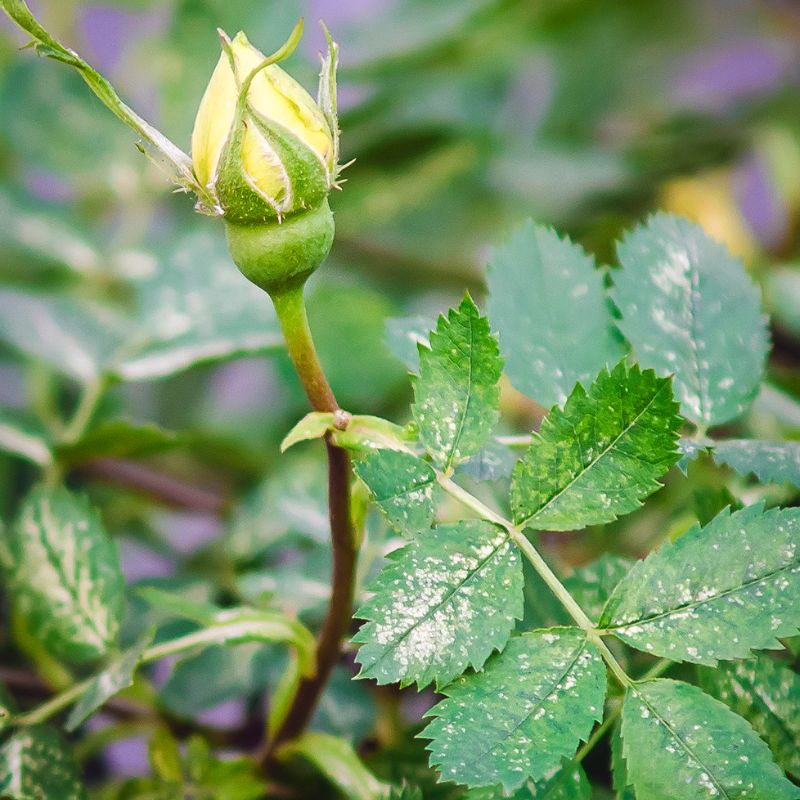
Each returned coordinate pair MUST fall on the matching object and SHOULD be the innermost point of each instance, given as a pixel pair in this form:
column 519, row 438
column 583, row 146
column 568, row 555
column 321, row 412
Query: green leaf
column 35, row 764
column 365, row 432
column 24, row 437
column 226, row 779
column 601, row 455
column 403, row 486
column 72, row 335
column 443, row 602
column 591, row 586
column 193, row 306
column 680, row 744
column 118, row 438
column 495, row 462
column 313, row 426
column 548, row 302
column 404, row 335
column 63, row 574
column 526, row 711
column 770, row 462
column 569, row 783
column 457, row 393
column 161, row 150
column 336, row 759
column 690, row 310
column 690, row 450
column 765, row 692
column 118, row 675
column 716, row 592
column 619, row 771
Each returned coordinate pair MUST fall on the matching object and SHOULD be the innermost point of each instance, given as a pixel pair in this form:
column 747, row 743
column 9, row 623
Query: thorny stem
column 291, row 312
column 546, row 574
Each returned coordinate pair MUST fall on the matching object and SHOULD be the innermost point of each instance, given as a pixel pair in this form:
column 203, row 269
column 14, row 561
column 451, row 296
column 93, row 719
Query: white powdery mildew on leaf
column 766, row 692
column 601, row 455
column 681, row 744
column 529, row 708
column 64, row 574
column 716, row 592
column 770, row 462
column 689, row 309
column 444, row 602
column 35, row 763
column 548, row 303
column 457, row 394
column 403, row 487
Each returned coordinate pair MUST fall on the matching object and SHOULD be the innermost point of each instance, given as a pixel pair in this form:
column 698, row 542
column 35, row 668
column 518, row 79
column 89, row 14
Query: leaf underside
column 548, row 302
column 770, row 462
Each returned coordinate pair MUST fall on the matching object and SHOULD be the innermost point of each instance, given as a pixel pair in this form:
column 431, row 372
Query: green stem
column 87, row 405
column 542, row 567
column 66, row 698
column 291, row 311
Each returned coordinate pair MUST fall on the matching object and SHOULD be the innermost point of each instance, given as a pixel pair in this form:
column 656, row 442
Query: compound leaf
column 681, row 744
column 36, row 763
column 690, row 310
column 457, row 393
column 63, row 574
column 442, row 603
column 599, row 456
column 770, row 462
column 403, row 486
column 766, row 693
column 548, row 302
column 526, row 711
column 716, row 592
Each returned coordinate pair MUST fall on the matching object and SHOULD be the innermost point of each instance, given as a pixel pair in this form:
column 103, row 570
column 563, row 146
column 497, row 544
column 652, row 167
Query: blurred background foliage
column 464, row 117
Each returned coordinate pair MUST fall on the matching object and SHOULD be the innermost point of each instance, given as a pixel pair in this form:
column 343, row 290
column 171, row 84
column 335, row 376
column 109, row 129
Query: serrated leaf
column 569, row 783
column 690, row 310
column 63, row 574
column 35, row 763
column 681, row 744
column 403, row 486
column 690, row 450
column 770, row 462
column 24, row 437
column 118, row 438
column 526, row 711
column 549, row 305
column 601, row 455
column 457, row 394
column 118, row 675
column 591, row 586
column 313, row 426
column 337, row 760
column 766, row 693
column 442, row 603
column 619, row 770
column 716, row 592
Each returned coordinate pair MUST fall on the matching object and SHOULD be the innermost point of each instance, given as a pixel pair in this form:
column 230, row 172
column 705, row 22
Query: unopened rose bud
column 267, row 153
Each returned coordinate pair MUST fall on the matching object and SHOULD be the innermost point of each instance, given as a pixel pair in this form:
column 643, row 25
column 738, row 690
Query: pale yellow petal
column 214, row 120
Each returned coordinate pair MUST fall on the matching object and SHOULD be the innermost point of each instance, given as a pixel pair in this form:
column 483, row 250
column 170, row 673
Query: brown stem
column 292, row 315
